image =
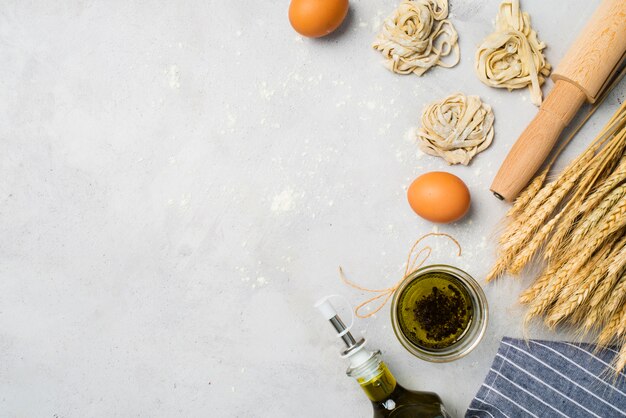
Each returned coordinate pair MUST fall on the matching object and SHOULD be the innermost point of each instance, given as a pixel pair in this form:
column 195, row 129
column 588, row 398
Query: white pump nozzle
column 326, row 308
column 354, row 350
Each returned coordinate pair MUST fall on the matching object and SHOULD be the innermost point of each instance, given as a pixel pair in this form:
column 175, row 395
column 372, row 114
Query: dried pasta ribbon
column 414, row 261
column 512, row 56
column 416, row 36
column 456, row 128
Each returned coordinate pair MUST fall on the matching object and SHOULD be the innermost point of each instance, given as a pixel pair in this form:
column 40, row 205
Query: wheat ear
column 576, row 292
column 610, row 223
column 602, row 292
column 576, row 207
column 614, row 328
column 595, row 314
column 617, row 297
column 617, row 177
column 527, row 253
column 543, row 301
column 588, row 222
column 530, row 294
column 528, row 194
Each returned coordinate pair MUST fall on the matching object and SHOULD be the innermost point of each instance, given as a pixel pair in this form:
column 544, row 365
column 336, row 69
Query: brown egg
column 439, row 197
column 316, row 18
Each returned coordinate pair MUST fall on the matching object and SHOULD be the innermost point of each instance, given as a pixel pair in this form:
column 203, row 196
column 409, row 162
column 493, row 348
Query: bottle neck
column 375, row 378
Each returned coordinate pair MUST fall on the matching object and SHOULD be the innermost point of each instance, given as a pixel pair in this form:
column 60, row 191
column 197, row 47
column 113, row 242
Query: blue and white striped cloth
column 535, row 378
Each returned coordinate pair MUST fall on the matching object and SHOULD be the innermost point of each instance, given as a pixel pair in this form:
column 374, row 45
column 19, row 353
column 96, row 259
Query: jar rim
column 471, row 337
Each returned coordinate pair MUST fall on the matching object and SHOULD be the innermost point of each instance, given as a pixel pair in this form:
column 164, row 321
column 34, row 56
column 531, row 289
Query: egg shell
column 316, row 18
column 439, row 197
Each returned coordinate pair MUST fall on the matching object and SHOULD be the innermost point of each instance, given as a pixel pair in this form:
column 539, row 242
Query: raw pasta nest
column 416, row 36
column 456, row 128
column 512, row 57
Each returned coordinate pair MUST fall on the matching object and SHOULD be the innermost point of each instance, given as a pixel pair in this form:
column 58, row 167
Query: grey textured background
column 180, row 181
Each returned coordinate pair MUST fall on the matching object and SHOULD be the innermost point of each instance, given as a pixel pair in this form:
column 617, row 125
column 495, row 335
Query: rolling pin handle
column 537, row 141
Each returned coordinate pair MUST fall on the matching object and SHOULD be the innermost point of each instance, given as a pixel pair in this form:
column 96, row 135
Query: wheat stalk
column 618, row 261
column 610, row 223
column 591, row 220
column 521, row 231
column 559, row 280
column 557, row 239
column 576, row 292
column 614, row 328
column 528, row 194
column 618, row 295
column 578, row 224
column 497, row 270
column 575, row 167
column 620, row 361
column 595, row 312
column 595, row 171
column 526, row 230
column 595, row 305
column 540, row 283
column 574, row 211
column 543, row 204
column 527, row 253
column 609, row 184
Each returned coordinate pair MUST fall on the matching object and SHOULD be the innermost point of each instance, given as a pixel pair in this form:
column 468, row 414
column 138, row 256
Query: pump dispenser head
column 354, row 349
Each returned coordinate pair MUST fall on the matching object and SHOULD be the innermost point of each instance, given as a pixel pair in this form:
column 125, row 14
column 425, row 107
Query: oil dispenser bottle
column 388, row 397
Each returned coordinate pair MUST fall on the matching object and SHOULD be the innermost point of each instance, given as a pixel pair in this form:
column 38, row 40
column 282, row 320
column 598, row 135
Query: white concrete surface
column 180, row 181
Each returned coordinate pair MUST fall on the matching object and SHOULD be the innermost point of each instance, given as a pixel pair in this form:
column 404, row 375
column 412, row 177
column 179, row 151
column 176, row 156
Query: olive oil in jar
column 435, row 311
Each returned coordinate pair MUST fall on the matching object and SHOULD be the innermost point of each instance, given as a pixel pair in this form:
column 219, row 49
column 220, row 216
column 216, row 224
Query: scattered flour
column 377, row 20
column 409, row 135
column 184, row 201
column 265, row 92
column 284, row 201
column 173, row 76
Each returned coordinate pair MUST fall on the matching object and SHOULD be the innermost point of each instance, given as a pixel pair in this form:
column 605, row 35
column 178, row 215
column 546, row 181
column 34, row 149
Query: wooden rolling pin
column 584, row 72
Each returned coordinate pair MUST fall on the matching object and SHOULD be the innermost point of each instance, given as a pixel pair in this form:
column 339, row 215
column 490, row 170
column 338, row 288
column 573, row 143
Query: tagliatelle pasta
column 512, row 56
column 456, row 128
column 416, row 36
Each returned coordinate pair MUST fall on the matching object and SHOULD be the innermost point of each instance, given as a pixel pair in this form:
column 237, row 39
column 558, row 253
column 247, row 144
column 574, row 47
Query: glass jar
column 472, row 332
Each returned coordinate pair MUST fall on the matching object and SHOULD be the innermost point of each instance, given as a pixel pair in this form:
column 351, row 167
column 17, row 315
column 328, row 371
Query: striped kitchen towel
column 535, row 378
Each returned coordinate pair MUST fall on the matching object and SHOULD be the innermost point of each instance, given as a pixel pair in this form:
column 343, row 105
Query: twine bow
column 411, row 266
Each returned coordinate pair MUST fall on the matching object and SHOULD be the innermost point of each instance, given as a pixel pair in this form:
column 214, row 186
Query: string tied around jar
column 414, row 261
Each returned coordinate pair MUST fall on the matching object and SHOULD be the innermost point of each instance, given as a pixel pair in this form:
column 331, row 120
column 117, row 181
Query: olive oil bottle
column 388, row 397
